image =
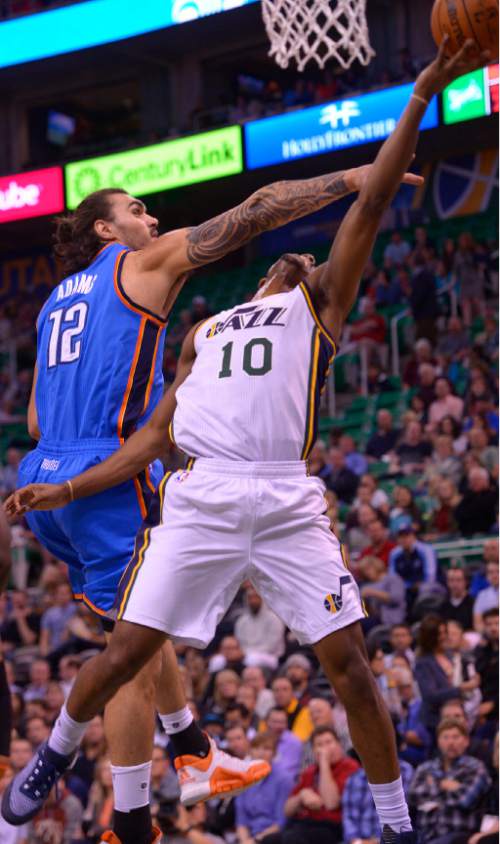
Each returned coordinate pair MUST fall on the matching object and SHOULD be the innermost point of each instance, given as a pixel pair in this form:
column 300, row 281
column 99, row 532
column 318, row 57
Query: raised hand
column 356, row 178
column 444, row 69
column 37, row 497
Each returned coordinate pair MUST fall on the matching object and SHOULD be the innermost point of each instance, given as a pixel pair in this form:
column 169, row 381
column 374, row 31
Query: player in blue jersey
column 97, row 380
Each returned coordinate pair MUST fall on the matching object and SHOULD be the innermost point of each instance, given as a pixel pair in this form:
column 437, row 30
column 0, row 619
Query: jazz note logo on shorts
column 334, row 601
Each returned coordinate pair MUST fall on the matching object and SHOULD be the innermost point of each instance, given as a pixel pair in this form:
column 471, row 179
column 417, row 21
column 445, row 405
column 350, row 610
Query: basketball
column 463, row 19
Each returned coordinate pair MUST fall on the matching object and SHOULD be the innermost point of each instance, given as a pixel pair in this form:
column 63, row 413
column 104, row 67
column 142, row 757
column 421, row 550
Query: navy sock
column 134, row 827
column 191, row 741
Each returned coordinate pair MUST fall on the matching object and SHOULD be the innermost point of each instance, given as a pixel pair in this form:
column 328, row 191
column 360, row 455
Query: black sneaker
column 391, row 837
column 29, row 790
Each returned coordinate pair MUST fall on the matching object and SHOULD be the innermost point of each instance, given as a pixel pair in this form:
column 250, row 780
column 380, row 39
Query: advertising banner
column 467, row 98
column 329, row 127
column 96, row 22
column 160, row 167
column 32, row 194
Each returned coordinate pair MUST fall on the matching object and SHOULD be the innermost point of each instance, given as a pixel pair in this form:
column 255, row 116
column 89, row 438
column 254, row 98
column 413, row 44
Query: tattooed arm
column 167, row 261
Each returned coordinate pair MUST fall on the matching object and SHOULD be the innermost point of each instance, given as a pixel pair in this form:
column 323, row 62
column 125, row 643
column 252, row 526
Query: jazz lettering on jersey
column 249, row 316
column 81, row 283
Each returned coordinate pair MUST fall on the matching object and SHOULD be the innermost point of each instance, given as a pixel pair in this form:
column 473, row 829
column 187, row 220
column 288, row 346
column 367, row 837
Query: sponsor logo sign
column 466, row 98
column 329, row 127
column 160, row 167
column 32, row 194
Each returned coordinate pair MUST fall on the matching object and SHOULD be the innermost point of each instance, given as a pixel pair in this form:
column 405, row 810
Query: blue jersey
column 99, row 356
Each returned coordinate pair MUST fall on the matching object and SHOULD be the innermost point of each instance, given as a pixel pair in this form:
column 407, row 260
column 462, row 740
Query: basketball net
column 312, row 30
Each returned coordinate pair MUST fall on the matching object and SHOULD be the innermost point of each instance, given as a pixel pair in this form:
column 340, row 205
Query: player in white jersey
column 244, row 406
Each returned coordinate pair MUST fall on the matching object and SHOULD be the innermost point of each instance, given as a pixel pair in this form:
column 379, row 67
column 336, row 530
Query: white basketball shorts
column 221, row 522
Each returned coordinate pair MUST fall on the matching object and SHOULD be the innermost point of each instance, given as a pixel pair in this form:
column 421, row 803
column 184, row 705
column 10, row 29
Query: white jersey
column 254, row 391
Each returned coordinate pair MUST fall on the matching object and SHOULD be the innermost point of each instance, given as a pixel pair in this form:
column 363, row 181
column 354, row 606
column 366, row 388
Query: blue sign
column 96, row 22
column 330, row 127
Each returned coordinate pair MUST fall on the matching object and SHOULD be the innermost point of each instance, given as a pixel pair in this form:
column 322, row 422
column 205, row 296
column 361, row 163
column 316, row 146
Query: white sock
column 66, row 734
column 390, row 802
column 131, row 786
column 175, row 722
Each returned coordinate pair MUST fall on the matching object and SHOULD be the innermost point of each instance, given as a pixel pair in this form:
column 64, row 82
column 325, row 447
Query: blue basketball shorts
column 95, row 536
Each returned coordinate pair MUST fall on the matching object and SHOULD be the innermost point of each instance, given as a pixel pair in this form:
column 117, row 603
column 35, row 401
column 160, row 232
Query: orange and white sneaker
column 110, row 837
column 217, row 773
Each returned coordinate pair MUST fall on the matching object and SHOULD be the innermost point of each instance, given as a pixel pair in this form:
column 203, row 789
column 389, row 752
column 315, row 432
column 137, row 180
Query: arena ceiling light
column 72, row 28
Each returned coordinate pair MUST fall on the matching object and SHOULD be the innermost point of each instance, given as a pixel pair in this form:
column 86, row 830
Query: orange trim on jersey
column 93, row 607
column 152, row 373
column 130, row 381
column 140, row 498
column 315, row 316
column 149, row 482
column 128, row 304
column 78, row 596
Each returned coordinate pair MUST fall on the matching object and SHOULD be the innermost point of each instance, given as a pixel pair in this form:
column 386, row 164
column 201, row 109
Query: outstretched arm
column 138, row 451
column 336, row 283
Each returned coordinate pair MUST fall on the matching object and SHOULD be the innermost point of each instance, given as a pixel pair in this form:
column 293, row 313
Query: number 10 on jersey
column 251, row 357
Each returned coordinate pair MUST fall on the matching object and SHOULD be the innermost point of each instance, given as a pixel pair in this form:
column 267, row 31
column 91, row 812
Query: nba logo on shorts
column 181, row 476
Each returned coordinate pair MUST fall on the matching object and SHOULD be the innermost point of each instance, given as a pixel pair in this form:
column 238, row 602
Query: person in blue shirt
column 260, row 811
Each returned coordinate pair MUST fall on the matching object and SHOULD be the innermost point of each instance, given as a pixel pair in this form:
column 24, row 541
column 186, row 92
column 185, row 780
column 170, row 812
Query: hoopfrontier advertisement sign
column 160, row 167
column 330, row 127
column 96, row 22
column 33, row 194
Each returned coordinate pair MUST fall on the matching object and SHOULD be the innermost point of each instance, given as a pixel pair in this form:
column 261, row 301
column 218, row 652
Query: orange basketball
column 463, row 19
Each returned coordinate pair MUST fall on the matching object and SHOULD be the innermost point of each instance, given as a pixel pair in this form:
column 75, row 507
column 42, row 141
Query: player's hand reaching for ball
column 37, row 497
column 356, row 178
column 445, row 68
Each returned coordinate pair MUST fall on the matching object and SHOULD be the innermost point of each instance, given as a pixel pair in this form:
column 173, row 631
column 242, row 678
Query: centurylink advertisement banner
column 171, row 164
column 329, row 127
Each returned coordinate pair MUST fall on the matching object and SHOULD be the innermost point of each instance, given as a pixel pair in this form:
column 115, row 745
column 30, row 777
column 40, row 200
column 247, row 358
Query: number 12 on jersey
column 251, row 357
column 67, row 325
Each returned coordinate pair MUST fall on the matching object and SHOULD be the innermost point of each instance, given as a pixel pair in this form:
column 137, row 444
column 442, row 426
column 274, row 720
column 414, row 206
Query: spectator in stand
column 198, row 673
column 37, row 731
column 340, row 479
column 68, row 668
column 359, row 818
column 464, row 676
column 459, row 604
column 442, row 523
column 20, row 754
column 39, row 680
column 469, row 280
column 323, row 714
column 9, row 472
column 445, row 404
column 356, row 527
column 448, row 790
column 384, row 678
column 260, row 810
column 237, row 741
column 486, row 454
column 423, row 354
column 414, row 561
column 92, row 749
column 400, row 641
column 299, row 717
column 254, row 676
column 387, row 290
column 415, row 740
column 22, row 626
column 413, row 451
column 259, row 631
column 426, row 380
column 55, row 620
column 404, row 512
column 298, row 670
column 369, row 331
column 381, row 545
column 228, row 656
column 423, row 299
column 451, row 428
column 385, row 437
column 288, row 748
column 454, row 342
column 444, row 463
column 398, row 249
column 477, row 511
column 487, row 598
column 99, row 812
column 486, row 662
column 227, row 683
column 248, row 697
column 164, row 784
column 368, row 493
column 383, row 591
column 434, row 670
column 317, row 461
column 314, row 806
column 354, row 460
column 11, row 834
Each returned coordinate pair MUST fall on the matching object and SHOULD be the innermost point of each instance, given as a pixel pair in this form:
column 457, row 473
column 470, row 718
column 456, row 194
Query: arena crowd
column 426, row 473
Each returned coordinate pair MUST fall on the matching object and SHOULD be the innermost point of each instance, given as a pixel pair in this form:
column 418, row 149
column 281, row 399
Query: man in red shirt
column 314, row 806
column 380, row 544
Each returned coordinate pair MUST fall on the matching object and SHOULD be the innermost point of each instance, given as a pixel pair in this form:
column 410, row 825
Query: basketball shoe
column 216, row 773
column 28, row 791
column 110, row 837
column 391, row 837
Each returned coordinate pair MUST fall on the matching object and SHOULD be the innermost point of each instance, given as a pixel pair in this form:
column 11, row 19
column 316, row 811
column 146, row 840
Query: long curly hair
column 75, row 240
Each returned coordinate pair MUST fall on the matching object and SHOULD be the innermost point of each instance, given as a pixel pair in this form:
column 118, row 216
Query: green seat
column 387, row 400
column 378, row 468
